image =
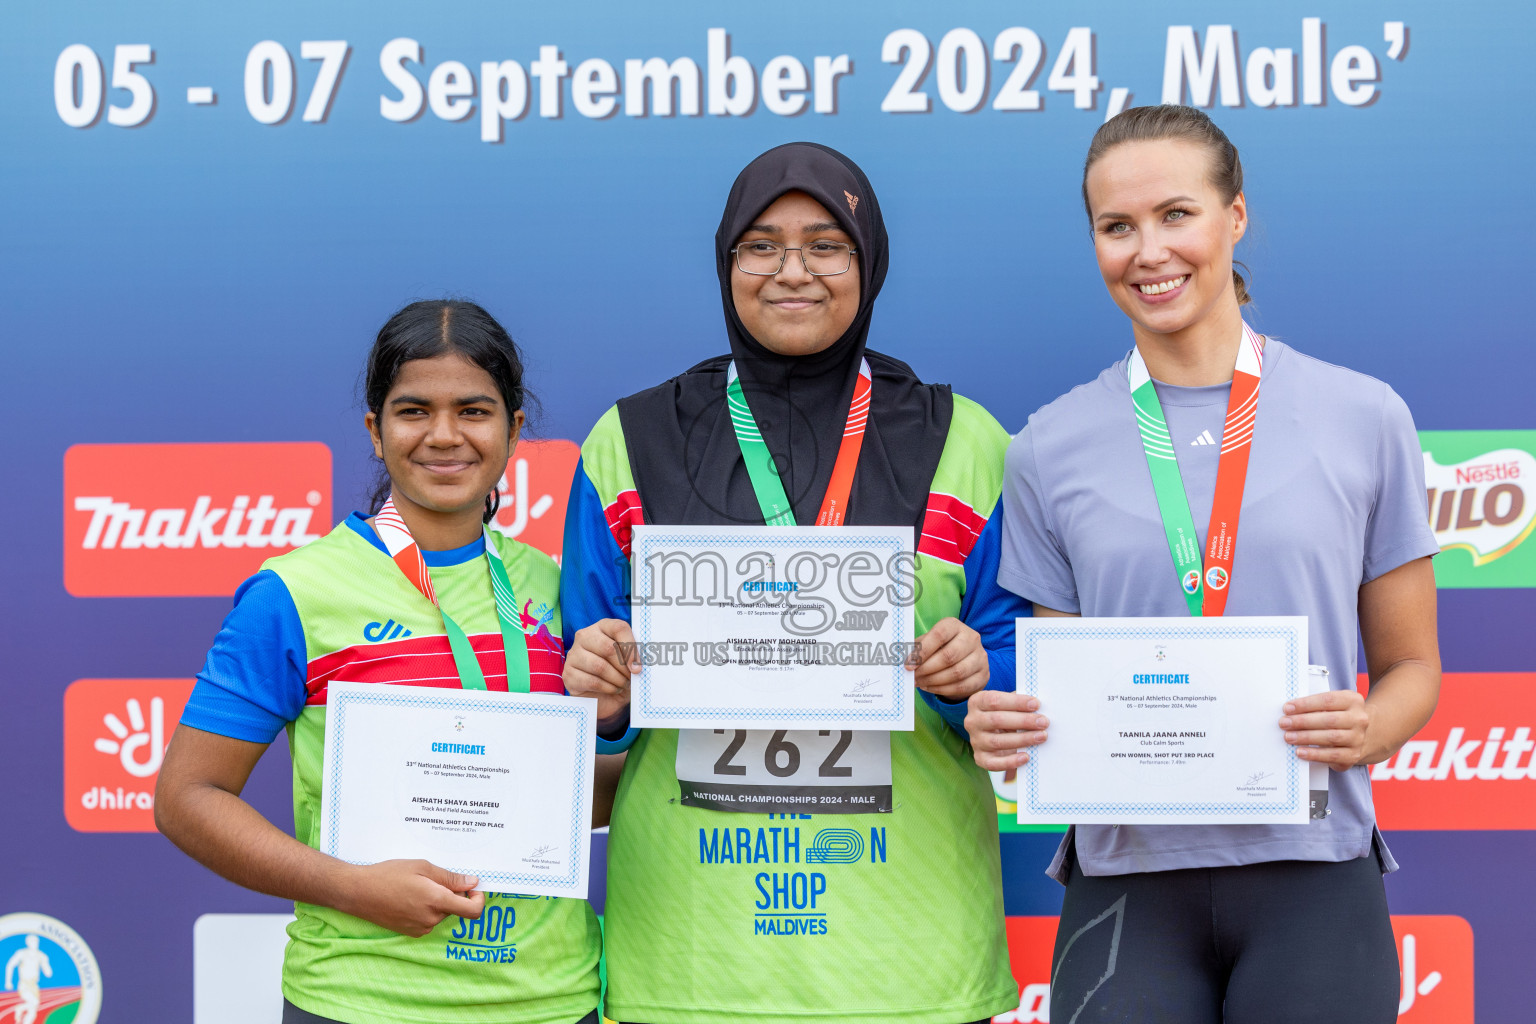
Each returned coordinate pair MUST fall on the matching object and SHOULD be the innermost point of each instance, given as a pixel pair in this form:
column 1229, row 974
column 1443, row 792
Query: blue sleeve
column 594, row 576
column 253, row 681
column 990, row 610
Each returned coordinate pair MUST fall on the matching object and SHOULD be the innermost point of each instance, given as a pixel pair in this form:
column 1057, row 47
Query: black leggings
column 293, row 1015
column 1272, row 943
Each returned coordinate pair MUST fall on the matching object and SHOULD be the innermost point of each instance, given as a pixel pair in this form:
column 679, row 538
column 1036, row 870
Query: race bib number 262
column 804, row 771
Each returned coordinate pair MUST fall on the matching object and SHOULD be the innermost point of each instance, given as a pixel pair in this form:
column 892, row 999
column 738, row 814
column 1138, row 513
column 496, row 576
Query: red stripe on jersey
column 428, row 661
column 622, row 516
column 950, row 528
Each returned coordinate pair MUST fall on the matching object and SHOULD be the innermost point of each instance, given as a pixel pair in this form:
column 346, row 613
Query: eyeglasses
column 820, row 259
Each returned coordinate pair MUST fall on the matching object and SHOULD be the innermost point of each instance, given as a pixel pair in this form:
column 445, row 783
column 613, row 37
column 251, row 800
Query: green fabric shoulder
column 605, row 458
column 971, row 465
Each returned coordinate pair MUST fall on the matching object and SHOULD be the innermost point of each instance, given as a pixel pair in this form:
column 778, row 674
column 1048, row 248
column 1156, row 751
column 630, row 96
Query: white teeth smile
column 1166, row 286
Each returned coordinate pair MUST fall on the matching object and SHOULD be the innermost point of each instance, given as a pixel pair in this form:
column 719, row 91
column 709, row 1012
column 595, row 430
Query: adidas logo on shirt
column 1204, row 438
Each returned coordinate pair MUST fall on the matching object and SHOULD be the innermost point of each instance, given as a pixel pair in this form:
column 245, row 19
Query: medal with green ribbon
column 1204, row 583
column 406, row 553
column 765, row 475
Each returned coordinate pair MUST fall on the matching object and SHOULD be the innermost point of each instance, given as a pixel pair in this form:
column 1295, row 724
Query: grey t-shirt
column 1334, row 498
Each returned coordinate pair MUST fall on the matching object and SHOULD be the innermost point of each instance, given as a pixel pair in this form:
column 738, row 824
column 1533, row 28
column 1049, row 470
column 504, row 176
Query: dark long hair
column 1170, row 122
column 435, row 327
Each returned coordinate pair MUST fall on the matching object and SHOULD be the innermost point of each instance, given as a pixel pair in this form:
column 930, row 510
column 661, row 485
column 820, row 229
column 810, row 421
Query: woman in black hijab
column 891, row 905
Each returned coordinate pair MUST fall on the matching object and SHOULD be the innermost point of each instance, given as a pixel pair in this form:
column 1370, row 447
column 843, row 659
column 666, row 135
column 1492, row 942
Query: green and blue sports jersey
column 912, row 927
column 339, row 609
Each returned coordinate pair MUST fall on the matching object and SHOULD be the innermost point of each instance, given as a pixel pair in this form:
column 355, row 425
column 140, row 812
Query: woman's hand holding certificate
column 1161, row 721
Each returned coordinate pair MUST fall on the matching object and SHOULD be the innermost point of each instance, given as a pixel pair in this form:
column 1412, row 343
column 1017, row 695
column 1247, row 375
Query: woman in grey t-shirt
column 1205, row 923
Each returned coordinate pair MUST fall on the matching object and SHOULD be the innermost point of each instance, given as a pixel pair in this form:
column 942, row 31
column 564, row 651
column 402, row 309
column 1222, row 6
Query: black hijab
column 683, row 452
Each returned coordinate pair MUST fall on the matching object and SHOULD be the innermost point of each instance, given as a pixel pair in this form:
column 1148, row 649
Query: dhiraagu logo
column 1481, row 489
column 50, row 973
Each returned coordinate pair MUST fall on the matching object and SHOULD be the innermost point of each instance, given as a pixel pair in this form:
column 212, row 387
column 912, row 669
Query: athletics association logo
column 187, row 520
column 1216, row 578
column 1482, row 505
column 50, row 973
column 1191, row 581
column 534, row 493
column 115, row 735
column 1473, row 766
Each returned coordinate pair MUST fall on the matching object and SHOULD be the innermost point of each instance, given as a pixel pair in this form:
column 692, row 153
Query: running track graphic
column 52, row 999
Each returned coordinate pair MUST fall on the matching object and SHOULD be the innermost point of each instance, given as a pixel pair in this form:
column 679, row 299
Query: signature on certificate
column 864, row 684
column 1258, row 777
column 541, row 851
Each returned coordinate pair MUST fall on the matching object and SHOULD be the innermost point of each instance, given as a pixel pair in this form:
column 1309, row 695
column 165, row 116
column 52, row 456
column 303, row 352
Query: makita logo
column 1460, row 758
column 1434, row 954
column 1472, row 766
column 187, row 520
column 240, row 524
column 1030, row 940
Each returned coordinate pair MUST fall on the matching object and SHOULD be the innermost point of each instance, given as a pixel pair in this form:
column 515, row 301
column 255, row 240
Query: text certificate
column 1158, row 721
column 773, row 627
column 497, row 785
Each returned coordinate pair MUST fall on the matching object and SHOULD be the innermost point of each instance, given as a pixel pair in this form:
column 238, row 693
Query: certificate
column 496, row 785
column 1158, row 721
column 783, row 627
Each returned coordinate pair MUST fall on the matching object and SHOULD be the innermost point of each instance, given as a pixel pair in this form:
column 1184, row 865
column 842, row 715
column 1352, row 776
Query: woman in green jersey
column 890, row 907
column 402, row 941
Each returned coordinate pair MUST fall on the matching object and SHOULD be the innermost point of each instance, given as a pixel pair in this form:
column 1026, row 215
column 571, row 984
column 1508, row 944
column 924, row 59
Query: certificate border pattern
column 1224, row 630
column 336, row 712
column 643, row 695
